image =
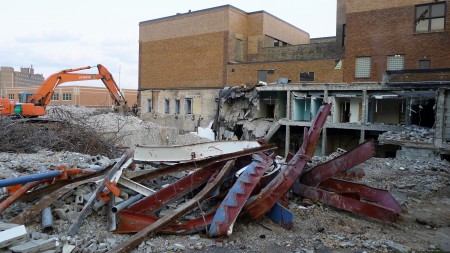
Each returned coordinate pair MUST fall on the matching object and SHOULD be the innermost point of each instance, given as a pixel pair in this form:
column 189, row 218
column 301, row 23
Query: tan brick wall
column 189, row 24
column 390, row 31
column 247, row 73
column 279, row 29
column 193, row 61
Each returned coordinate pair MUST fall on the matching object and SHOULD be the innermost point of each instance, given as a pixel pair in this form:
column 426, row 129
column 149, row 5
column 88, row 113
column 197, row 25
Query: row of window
column 363, row 65
column 55, row 96
column 188, row 106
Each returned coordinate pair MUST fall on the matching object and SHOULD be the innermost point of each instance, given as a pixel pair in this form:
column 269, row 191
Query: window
column 177, row 106
column 166, row 106
column 262, row 75
column 430, row 17
column 238, row 50
column 55, row 96
column 11, row 96
column 424, row 64
column 362, row 67
column 188, row 105
column 395, row 62
column 67, row 97
column 306, row 76
column 149, row 105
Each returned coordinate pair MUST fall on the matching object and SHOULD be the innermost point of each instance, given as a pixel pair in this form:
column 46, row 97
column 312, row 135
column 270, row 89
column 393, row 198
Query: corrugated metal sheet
column 189, row 153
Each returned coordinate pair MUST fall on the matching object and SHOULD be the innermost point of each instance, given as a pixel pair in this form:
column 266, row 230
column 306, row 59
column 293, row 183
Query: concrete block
column 61, row 213
column 67, row 248
column 13, row 235
column 79, row 199
column 36, row 246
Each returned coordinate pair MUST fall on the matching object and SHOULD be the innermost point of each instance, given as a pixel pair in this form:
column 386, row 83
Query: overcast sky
column 53, row 35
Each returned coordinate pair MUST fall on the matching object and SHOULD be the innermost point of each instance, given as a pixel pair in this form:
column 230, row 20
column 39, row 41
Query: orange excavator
column 34, row 105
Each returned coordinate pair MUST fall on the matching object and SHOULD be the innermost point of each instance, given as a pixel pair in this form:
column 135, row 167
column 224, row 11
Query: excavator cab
column 24, row 96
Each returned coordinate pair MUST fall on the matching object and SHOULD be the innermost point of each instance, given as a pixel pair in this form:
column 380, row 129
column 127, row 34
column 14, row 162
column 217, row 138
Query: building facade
column 88, row 96
column 184, row 60
column 23, row 78
column 387, row 66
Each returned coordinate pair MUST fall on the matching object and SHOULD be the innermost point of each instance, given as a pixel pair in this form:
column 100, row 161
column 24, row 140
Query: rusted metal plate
column 194, row 152
column 368, row 209
column 231, row 206
column 260, row 204
column 338, row 165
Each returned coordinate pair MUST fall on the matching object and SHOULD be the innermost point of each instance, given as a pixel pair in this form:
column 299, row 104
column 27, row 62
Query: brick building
column 385, row 35
column 184, row 60
column 24, row 78
column 387, row 66
column 88, row 96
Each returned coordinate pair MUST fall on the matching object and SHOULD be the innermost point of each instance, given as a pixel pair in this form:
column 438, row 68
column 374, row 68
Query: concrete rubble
column 410, row 133
column 420, row 187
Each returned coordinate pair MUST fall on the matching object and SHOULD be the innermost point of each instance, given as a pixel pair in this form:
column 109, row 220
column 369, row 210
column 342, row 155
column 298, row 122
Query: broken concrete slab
column 36, row 246
column 13, row 234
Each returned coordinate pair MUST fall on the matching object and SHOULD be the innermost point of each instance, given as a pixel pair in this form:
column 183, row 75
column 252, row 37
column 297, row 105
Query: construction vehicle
column 34, row 104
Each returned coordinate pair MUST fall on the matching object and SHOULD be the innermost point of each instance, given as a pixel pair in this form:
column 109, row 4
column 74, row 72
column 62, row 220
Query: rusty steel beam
column 158, row 225
column 48, row 199
column 30, row 196
column 200, row 164
column 260, row 204
column 338, row 165
column 231, row 206
column 368, row 209
column 371, row 194
column 181, row 187
column 16, row 195
column 130, row 222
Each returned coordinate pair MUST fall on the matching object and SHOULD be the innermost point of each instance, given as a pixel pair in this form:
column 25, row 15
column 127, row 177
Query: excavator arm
column 38, row 101
column 43, row 94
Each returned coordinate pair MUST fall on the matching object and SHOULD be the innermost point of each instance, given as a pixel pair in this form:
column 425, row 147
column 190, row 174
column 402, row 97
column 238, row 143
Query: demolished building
column 377, row 84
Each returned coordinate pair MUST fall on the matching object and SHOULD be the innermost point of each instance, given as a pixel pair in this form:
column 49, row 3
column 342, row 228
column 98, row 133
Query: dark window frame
column 189, row 106
column 307, row 76
column 428, row 15
column 166, row 106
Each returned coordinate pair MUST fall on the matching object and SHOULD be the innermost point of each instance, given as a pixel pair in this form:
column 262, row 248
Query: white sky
column 53, row 35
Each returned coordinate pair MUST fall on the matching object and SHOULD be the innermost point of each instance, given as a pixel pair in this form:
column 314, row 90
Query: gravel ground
column 421, row 188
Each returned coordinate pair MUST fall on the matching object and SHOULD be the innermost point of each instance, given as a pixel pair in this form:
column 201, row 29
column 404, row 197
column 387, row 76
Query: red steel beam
column 169, row 218
column 379, row 196
column 233, row 202
column 152, row 203
column 260, row 204
column 130, row 222
column 340, row 164
column 346, row 203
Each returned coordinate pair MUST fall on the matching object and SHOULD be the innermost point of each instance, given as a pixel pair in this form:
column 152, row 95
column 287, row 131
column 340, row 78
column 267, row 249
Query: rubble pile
column 408, row 133
column 184, row 198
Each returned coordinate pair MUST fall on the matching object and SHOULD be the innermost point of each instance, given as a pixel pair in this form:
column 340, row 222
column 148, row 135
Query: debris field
column 229, row 196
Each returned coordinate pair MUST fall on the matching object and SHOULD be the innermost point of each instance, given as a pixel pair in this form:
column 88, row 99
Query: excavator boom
column 38, row 101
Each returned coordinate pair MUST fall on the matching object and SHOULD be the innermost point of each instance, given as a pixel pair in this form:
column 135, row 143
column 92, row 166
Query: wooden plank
column 160, row 224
